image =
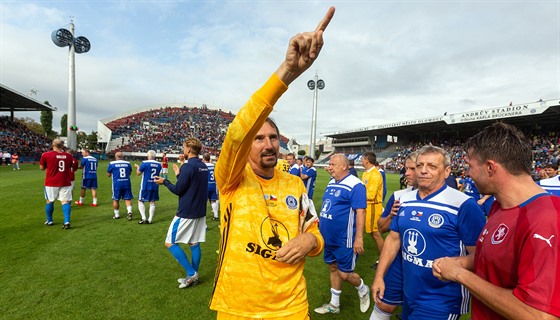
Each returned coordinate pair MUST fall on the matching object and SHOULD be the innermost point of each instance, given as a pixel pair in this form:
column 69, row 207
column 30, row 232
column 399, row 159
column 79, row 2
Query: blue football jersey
column 551, row 185
column 120, row 171
column 149, row 169
column 338, row 211
column 442, row 224
column 211, row 177
column 311, row 173
column 89, row 167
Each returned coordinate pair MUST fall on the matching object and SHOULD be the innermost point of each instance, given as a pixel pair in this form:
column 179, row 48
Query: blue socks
column 196, row 254
column 66, row 211
column 181, row 257
column 49, row 209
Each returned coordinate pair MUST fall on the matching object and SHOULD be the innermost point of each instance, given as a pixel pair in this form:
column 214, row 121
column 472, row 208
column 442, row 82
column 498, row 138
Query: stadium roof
column 11, row 100
column 536, row 114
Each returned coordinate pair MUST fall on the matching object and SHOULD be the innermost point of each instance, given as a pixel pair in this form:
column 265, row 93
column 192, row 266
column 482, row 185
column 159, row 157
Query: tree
column 91, row 141
column 64, row 125
column 46, row 120
column 31, row 124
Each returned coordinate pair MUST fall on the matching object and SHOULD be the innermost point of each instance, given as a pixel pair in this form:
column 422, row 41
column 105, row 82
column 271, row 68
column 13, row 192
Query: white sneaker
column 364, row 301
column 188, row 281
column 327, row 308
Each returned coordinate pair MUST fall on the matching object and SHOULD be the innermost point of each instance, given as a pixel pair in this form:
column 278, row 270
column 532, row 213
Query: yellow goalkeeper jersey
column 258, row 216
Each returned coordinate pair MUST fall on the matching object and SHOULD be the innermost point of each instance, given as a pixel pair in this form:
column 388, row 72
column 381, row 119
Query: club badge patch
column 291, row 202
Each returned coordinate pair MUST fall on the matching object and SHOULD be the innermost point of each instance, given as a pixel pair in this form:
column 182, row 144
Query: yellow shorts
column 373, row 213
column 302, row 315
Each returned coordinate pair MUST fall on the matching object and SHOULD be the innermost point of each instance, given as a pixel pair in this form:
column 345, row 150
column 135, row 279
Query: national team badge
column 500, row 234
column 291, row 202
column 436, row 220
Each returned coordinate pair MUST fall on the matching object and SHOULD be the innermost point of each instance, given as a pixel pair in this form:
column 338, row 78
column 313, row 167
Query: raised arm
column 303, row 49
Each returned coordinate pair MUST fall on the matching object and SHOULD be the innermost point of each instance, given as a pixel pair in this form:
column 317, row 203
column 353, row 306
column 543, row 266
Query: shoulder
column 453, row 197
column 352, row 182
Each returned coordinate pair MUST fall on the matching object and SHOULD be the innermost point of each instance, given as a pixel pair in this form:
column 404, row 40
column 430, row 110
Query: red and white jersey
column 164, row 163
column 58, row 166
column 519, row 249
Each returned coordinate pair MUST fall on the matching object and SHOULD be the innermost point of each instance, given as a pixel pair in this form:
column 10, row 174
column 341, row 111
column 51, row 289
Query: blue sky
column 383, row 61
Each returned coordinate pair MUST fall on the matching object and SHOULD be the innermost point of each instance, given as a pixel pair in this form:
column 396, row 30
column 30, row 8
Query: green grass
column 116, row 269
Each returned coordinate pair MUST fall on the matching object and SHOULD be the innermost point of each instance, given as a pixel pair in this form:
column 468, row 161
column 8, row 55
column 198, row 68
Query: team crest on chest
column 436, row 220
column 291, row 202
column 500, row 234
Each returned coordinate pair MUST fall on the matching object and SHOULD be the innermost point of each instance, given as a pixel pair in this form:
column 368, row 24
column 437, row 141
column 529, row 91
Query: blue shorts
column 419, row 313
column 212, row 195
column 148, row 195
column 344, row 257
column 394, row 283
column 89, row 183
column 125, row 194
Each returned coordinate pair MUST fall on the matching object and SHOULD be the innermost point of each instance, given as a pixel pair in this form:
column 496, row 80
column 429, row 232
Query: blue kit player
column 212, row 189
column 120, row 171
column 149, row 189
column 341, row 224
column 309, row 175
column 89, row 177
column 433, row 221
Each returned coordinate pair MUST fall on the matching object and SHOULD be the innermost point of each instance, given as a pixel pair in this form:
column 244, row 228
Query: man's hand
column 176, row 169
column 297, row 248
column 359, row 245
column 378, row 288
column 395, row 208
column 159, row 180
column 447, row 269
column 303, row 49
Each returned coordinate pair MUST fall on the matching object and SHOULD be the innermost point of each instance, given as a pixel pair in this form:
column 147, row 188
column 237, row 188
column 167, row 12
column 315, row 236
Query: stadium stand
column 163, row 129
column 15, row 136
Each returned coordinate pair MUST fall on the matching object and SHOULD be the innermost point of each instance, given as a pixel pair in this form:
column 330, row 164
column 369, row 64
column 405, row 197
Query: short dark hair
column 370, row 156
column 206, row 157
column 273, row 124
column 504, row 144
column 552, row 166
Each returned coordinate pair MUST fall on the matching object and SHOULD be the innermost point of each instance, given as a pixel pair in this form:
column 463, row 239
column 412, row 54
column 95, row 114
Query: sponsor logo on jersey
column 291, row 202
column 500, row 234
column 436, row 220
column 483, row 235
column 325, row 208
column 273, row 235
column 414, row 244
column 337, row 193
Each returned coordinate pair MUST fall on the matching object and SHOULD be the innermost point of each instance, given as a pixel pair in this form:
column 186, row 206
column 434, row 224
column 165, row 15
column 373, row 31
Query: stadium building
column 394, row 140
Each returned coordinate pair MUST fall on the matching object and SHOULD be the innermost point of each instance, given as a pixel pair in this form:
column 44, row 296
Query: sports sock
column 215, row 209
column 152, row 211
column 94, row 200
column 81, row 200
column 335, row 297
column 66, row 211
column 49, row 209
column 181, row 257
column 142, row 210
column 196, row 256
column 362, row 288
column 379, row 314
column 116, row 211
column 129, row 209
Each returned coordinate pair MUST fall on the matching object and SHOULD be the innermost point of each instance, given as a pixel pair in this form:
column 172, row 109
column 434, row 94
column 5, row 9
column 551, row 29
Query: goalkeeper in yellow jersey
column 268, row 225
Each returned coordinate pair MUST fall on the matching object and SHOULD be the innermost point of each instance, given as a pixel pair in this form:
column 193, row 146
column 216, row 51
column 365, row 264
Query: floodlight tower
column 314, row 85
column 62, row 38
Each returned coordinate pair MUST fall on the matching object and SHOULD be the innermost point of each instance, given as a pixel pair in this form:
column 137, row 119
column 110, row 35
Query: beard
column 269, row 163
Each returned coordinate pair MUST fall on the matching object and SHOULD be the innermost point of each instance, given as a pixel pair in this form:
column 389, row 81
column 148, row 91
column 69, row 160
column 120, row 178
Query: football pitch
column 103, row 268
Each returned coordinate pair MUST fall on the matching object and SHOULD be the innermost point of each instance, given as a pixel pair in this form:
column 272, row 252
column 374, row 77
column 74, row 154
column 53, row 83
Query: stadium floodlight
column 65, row 38
column 314, row 85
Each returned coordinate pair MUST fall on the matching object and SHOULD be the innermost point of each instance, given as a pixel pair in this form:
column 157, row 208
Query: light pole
column 314, row 85
column 63, row 38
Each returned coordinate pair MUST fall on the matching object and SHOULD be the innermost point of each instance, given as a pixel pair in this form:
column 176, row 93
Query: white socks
column 335, row 297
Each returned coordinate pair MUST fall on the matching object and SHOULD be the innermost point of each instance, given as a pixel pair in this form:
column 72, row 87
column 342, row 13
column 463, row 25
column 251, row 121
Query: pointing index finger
column 325, row 22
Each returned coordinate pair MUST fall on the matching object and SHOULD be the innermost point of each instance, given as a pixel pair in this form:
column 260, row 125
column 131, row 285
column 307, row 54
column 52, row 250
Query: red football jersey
column 58, row 166
column 518, row 249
